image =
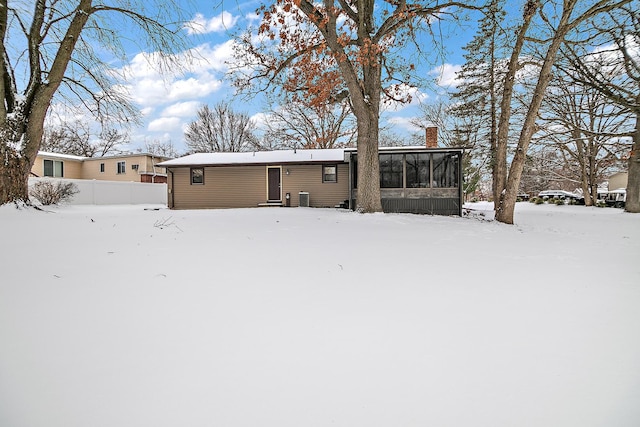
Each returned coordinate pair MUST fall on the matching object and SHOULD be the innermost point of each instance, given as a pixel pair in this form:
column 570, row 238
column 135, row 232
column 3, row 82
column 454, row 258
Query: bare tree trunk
column 505, row 209
column 506, row 206
column 500, row 170
column 14, row 176
column 23, row 132
column 633, row 186
column 493, row 100
column 585, row 181
column 50, row 40
column 368, row 199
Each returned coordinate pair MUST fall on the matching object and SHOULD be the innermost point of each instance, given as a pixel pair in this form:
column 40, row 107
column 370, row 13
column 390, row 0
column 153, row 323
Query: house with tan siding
column 142, row 167
column 261, row 178
column 412, row 179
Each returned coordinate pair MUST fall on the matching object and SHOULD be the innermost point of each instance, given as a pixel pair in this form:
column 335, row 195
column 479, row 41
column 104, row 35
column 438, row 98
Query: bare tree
column 476, row 98
column 77, row 138
column 389, row 138
column 457, row 130
column 50, row 48
column 585, row 129
column 296, row 124
column 613, row 69
column 556, row 22
column 220, row 129
column 160, row 148
column 334, row 50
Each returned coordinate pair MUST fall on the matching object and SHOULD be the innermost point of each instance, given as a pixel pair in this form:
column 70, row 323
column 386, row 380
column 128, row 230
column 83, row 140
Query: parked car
column 616, row 198
column 561, row 194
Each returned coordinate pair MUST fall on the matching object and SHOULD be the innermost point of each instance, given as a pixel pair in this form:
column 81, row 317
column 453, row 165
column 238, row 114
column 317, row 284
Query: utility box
column 304, row 199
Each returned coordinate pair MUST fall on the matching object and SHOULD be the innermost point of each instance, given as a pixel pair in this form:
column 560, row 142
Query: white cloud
column 205, row 58
column 261, row 119
column 253, row 17
column 148, row 86
column 192, row 88
column 446, row 75
column 146, row 111
column 181, row 109
column 143, row 65
column 403, row 123
column 198, row 60
column 164, row 124
column 201, row 25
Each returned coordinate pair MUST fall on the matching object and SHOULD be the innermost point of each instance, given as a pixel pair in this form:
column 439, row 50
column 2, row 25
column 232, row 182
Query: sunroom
column 415, row 179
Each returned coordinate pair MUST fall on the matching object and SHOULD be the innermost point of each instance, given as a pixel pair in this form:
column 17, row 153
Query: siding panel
column 224, row 187
column 309, row 178
column 91, row 168
column 246, row 186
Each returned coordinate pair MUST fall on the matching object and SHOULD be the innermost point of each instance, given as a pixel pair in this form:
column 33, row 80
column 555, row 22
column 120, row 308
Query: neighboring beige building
column 129, row 167
column 618, row 180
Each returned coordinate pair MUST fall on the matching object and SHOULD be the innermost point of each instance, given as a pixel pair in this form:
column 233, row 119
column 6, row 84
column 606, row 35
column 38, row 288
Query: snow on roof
column 412, row 148
column 280, row 156
column 60, row 156
column 102, row 158
column 259, row 157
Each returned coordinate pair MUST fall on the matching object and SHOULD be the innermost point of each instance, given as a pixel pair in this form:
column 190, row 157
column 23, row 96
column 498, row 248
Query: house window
column 418, row 175
column 101, row 167
column 445, row 170
column 390, row 170
column 197, row 176
column 122, row 167
column 329, row 173
column 53, row 168
column 134, row 167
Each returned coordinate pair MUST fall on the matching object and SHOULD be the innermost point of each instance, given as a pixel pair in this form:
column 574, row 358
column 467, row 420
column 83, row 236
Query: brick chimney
column 432, row 137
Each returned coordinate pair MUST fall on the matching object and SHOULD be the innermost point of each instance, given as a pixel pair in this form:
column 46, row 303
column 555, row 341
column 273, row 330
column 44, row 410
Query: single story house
column 142, row 167
column 412, row 179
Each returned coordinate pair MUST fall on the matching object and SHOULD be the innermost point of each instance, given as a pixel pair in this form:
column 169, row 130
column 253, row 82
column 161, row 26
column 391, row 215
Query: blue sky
column 169, row 103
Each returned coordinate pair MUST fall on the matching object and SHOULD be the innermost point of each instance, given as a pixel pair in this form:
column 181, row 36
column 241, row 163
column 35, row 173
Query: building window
column 329, row 173
column 53, row 168
column 122, row 167
column 445, row 170
column 390, row 170
column 101, row 167
column 197, row 176
column 418, row 175
column 134, row 167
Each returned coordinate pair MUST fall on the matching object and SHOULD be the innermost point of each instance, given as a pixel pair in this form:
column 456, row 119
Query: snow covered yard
column 120, row 316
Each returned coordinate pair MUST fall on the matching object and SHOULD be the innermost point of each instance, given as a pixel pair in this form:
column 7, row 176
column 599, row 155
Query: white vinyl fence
column 95, row 192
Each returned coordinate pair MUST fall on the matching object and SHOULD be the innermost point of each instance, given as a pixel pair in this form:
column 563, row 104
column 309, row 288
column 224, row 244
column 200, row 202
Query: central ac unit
column 304, row 199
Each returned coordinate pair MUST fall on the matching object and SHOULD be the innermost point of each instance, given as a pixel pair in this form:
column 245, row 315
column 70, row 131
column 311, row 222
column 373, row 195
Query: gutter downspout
column 352, row 204
column 460, row 180
column 153, row 168
column 170, row 189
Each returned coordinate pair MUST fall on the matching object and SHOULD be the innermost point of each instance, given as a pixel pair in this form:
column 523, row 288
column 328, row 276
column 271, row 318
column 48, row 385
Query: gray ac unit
column 304, row 199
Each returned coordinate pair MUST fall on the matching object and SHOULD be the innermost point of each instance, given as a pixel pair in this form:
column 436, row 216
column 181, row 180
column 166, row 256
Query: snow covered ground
column 121, row 316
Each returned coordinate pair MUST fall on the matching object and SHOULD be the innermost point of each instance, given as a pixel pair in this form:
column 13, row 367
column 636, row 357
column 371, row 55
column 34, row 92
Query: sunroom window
column 418, row 175
column 390, row 170
column 445, row 170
